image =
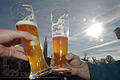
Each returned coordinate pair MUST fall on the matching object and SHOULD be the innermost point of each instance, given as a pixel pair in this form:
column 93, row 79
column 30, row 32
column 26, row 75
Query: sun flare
column 95, row 30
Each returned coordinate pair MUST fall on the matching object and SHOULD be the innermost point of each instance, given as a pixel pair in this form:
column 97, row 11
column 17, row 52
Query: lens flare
column 95, row 30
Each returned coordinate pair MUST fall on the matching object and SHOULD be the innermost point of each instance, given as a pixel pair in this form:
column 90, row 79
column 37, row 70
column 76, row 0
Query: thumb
column 23, row 34
column 73, row 60
column 8, row 35
column 70, row 56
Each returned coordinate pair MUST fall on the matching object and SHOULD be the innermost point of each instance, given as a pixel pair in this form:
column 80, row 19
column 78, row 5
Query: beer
column 34, row 53
column 60, row 44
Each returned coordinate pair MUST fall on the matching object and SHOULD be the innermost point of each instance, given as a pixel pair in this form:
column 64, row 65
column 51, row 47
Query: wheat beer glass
column 25, row 21
column 60, row 32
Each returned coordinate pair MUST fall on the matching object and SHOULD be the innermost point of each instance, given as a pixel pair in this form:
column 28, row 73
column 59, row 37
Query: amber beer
column 60, row 44
column 34, row 53
column 60, row 32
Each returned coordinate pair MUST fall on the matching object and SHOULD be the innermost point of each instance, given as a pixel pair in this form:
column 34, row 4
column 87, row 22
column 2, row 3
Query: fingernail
column 25, row 58
column 69, row 56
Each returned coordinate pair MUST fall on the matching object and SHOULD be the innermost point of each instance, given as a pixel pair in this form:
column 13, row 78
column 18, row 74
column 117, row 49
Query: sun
column 95, row 30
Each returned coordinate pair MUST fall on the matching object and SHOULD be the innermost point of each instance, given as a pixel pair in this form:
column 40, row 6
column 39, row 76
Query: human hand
column 78, row 66
column 8, row 36
column 15, row 52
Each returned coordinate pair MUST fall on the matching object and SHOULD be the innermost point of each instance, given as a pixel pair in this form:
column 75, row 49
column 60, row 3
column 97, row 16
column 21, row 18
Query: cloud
column 102, row 45
column 75, row 37
column 109, row 49
column 110, row 15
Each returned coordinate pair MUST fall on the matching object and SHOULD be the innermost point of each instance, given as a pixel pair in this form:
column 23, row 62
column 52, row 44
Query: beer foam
column 60, row 27
column 26, row 22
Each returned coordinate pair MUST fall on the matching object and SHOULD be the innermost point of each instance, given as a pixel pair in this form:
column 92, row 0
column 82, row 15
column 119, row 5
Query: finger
column 8, row 35
column 17, row 52
column 71, row 56
column 23, row 34
column 19, row 56
column 73, row 60
column 52, row 61
column 12, row 52
column 20, row 49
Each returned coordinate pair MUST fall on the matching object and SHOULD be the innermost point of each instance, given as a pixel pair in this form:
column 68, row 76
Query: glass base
column 34, row 75
column 62, row 68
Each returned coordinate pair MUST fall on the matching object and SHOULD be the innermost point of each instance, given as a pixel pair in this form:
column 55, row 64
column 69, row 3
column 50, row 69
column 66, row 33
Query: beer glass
column 60, row 32
column 25, row 21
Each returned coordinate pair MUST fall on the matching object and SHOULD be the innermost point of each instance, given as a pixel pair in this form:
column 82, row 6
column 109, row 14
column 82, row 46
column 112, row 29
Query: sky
column 91, row 24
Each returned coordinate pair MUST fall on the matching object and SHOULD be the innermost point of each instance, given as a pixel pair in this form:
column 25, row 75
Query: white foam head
column 26, row 22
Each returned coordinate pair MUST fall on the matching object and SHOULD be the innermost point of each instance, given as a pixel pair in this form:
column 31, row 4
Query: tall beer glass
column 60, row 32
column 25, row 21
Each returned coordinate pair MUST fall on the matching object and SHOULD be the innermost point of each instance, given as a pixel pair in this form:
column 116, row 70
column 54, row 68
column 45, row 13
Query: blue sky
column 82, row 15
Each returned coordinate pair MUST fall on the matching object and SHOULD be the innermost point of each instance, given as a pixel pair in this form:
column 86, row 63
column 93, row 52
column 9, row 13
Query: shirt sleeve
column 104, row 71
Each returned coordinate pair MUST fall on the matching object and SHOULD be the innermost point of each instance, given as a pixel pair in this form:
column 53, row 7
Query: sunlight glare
column 95, row 30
